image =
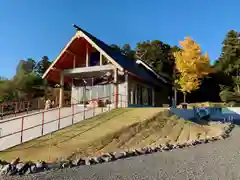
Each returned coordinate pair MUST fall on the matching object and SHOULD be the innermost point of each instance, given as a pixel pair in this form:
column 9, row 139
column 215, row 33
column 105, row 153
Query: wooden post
column 74, row 62
column 116, row 87
column 22, row 126
column 126, row 89
column 153, row 97
column 87, row 56
column 61, row 90
column 101, row 63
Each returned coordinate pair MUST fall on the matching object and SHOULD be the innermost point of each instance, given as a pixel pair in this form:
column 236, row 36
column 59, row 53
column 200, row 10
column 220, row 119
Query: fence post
column 59, row 117
column 15, row 109
column 72, row 113
column 42, row 122
column 2, row 110
column 93, row 109
column 22, row 130
column 121, row 100
column 84, row 112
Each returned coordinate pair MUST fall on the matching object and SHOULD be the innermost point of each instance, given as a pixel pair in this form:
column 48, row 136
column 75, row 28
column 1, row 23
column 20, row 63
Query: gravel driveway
column 219, row 160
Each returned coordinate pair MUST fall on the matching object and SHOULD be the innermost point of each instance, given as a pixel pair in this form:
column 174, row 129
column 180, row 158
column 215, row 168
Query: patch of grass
column 65, row 142
column 114, row 131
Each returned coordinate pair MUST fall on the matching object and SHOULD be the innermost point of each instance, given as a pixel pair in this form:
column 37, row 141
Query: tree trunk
column 175, row 97
column 184, row 97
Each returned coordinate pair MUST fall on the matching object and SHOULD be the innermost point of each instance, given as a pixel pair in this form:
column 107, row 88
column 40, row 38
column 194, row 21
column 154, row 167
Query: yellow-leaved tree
column 191, row 66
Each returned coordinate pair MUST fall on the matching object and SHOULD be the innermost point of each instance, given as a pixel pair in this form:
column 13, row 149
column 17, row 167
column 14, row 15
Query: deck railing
column 20, row 129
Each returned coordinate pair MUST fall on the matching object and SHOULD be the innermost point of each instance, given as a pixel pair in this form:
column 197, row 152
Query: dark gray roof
column 122, row 60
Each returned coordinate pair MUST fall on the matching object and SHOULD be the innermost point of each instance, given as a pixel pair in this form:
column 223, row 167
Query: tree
column 229, row 60
column 25, row 66
column 115, row 47
column 157, row 55
column 229, row 64
column 191, row 65
column 128, row 51
column 42, row 66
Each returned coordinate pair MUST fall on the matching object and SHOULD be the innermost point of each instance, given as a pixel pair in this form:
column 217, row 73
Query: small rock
column 170, row 146
column 206, row 141
column 148, row 150
column 79, row 162
column 67, row 164
column 12, row 171
column 119, row 155
column 140, row 151
column 6, row 168
column 182, row 145
column 22, row 168
column 224, row 135
column 157, row 149
column 40, row 165
column 33, row 169
column 87, row 161
column 131, row 153
column 96, row 160
column 174, row 146
column 107, row 157
column 154, row 149
column 75, row 162
column 165, row 148
column 15, row 161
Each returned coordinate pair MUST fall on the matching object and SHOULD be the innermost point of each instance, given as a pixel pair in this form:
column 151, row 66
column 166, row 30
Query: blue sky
column 34, row 28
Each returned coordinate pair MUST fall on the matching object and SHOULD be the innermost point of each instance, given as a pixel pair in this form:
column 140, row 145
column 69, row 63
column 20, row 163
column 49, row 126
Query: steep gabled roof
column 142, row 71
column 131, row 66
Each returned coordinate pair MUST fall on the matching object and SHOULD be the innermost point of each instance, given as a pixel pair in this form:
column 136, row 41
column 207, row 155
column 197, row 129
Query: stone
column 132, row 152
column 96, row 160
column 22, row 168
column 40, row 165
column 15, row 161
column 6, row 168
column 148, row 150
column 80, row 161
column 153, row 149
column 107, row 157
column 157, row 149
column 87, row 161
column 140, row 151
column 12, row 171
column 119, row 155
column 67, row 164
column 206, row 141
column 33, row 169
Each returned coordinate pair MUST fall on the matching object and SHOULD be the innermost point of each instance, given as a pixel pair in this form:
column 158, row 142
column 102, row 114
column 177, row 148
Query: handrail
column 51, row 109
column 59, row 118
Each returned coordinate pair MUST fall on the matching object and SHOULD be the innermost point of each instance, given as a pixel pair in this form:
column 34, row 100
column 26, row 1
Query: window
column 145, row 95
column 150, row 97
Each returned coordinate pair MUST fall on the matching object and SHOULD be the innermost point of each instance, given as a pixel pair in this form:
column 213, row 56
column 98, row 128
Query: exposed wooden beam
column 60, row 55
column 73, row 54
column 87, row 55
column 89, row 69
column 101, row 59
column 61, row 90
column 81, row 34
column 116, row 87
column 74, row 62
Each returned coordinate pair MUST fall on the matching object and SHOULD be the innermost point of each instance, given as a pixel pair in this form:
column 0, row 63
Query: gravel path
column 219, row 160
